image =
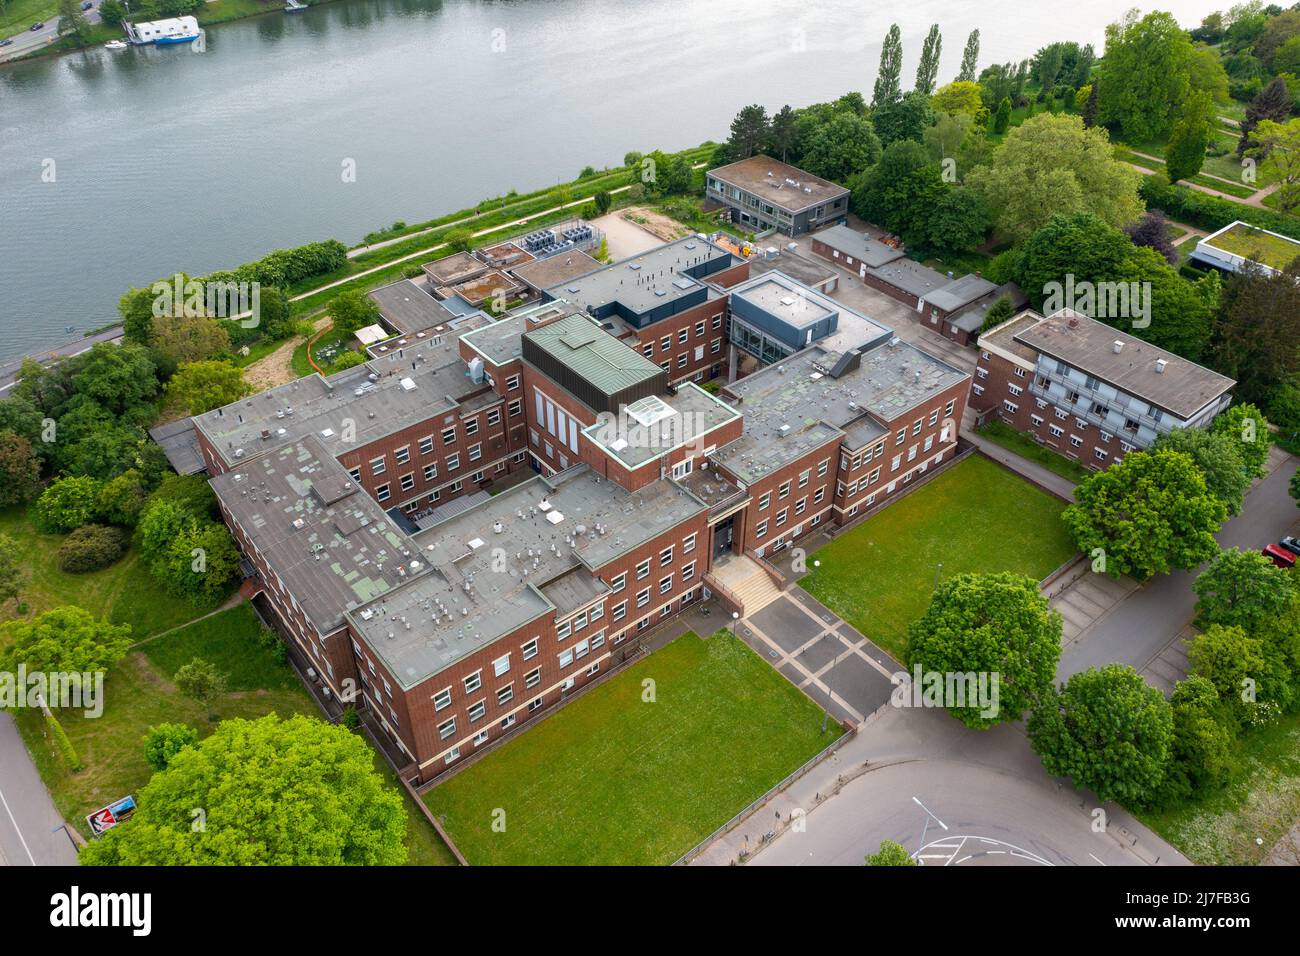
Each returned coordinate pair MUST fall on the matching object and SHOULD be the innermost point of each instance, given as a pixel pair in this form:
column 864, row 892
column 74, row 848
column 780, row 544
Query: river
column 117, row 168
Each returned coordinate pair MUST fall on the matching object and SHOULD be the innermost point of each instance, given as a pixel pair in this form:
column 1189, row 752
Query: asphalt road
column 1143, row 624
column 9, row 369
column 31, row 830
column 29, row 40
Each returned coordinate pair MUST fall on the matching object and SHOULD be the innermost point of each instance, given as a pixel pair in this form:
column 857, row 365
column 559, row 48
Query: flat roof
column 180, row 443
column 972, row 319
column 506, row 255
column 960, row 292
column 553, row 270
column 861, row 247
column 378, row 398
column 802, row 393
column 779, row 183
column 1183, row 388
column 408, row 309
column 910, row 276
column 329, row 542
column 457, row 267
column 645, row 281
column 1250, row 242
column 501, row 342
column 478, row 290
column 653, row 426
column 798, row 267
column 466, row 601
column 799, row 306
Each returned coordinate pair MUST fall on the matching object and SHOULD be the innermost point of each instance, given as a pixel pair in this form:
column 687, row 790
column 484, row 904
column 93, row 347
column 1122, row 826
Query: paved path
column 10, row 367
column 31, row 830
column 1059, row 486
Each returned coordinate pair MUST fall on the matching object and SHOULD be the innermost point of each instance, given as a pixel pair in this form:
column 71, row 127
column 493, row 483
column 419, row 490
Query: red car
column 1278, row 555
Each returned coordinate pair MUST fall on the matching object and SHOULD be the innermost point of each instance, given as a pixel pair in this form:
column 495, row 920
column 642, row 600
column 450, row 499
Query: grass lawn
column 18, row 15
column 124, row 591
column 139, row 694
column 977, row 516
column 613, row 779
column 1026, row 447
column 1261, row 801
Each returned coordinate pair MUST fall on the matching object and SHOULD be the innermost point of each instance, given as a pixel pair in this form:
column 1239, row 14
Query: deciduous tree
column 1242, row 588
column 887, row 88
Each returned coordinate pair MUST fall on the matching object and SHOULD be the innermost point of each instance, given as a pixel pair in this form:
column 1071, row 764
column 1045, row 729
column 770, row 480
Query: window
column 402, row 455
column 477, row 710
column 643, row 597
column 453, row 462
column 1037, row 420
column 566, row 658
column 1080, row 424
column 515, row 407
column 823, row 467
column 452, row 754
column 533, row 677
column 508, row 722
column 378, row 466
column 562, row 631
column 901, row 436
column 648, row 349
column 1076, row 441
column 505, row 694
column 893, row 465
column 688, row 543
column 665, row 584
column 929, row 442
column 764, row 500
column 699, row 328
column 494, row 417
column 446, row 728
column 580, row 621
column 476, row 451
column 1061, row 413
column 480, row 738
column 916, row 426
column 597, row 612
column 449, row 435
column 1099, row 454
column 683, row 335
column 382, row 492
column 618, row 583
column 947, row 409
column 802, row 504
column 529, row 650
column 534, row 704
column 666, row 343
column 911, row 453
column 715, row 346
column 717, row 321
column 1056, row 430
column 803, row 478
column 355, row 474
column 580, row 650
column 760, row 529
column 666, row 556
column 407, row 481
column 977, row 389
column 512, row 383
column 1014, row 389
column 934, row 417
column 430, row 472
column 874, row 476
column 688, row 571
column 819, row 494
column 501, row 665
column 619, row 612
column 473, row 682
column 426, row 445
column 643, row 569
column 598, row 640
column 781, row 516
column 784, row 490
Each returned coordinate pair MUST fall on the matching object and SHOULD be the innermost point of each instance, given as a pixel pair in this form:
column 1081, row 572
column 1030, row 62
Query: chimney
column 1160, row 366
column 1117, row 346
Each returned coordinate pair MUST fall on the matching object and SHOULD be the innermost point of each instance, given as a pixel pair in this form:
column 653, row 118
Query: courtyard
column 640, row 769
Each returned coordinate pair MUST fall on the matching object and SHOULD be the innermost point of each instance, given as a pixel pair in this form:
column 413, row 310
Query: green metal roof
column 593, row 355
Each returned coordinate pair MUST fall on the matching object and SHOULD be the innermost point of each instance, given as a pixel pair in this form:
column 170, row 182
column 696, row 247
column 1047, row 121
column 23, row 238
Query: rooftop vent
column 1160, row 366
column 1117, row 346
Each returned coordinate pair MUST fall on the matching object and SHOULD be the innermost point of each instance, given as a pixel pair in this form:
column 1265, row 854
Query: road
column 1151, row 617
column 10, row 367
column 31, row 830
column 31, row 40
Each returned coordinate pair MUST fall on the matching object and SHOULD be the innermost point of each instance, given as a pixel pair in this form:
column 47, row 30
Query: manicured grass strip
column 615, row 779
column 1024, row 446
column 231, row 640
column 1261, row 800
column 976, row 517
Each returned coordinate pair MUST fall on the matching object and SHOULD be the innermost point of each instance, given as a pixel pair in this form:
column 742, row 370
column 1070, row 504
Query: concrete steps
column 744, row 578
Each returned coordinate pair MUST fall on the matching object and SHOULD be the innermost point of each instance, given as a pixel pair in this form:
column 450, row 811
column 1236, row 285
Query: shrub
column 91, row 547
column 164, row 741
column 1210, row 212
column 200, row 679
column 67, row 503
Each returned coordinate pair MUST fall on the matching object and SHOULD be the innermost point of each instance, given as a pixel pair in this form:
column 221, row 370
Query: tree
column 119, row 377
column 1231, row 660
column 199, row 679
column 1002, row 118
column 67, row 503
column 783, row 132
column 998, row 312
column 989, row 624
column 457, row 240
column 885, row 193
column 1185, row 151
column 200, row 562
column 970, row 58
column 1152, row 231
column 905, row 117
column 1294, row 487
column 20, row 470
column 188, row 339
column 1145, row 75
column 12, row 575
column 91, row 547
column 887, row 88
column 1273, row 102
column 958, row 97
column 842, row 148
column 1259, row 311
column 603, row 201
column 1148, row 514
column 276, row 315
column 199, row 387
column 112, row 12
column 927, row 70
column 957, row 219
column 66, row 640
column 72, row 21
column 1051, row 164
column 1109, row 731
column 319, row 801
column 353, row 310
column 749, row 132
column 1091, row 107
column 1246, row 424
column 164, row 741
column 1217, row 457
column 890, row 854
column 1278, row 146
column 1242, row 588
column 1202, row 746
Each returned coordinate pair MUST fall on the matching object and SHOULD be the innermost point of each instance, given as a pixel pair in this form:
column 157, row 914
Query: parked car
column 1278, row 555
column 88, row 4
column 1291, row 543
column 37, row 25
column 6, row 42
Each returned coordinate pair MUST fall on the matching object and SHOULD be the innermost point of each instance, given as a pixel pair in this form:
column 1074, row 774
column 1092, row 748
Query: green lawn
column 976, row 517
column 139, row 694
column 614, row 779
column 1024, row 446
column 124, row 591
column 1262, row 801
column 18, row 15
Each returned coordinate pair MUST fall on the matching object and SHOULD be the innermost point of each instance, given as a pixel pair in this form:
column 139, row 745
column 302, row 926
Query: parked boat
column 115, row 45
column 174, row 30
column 293, row 6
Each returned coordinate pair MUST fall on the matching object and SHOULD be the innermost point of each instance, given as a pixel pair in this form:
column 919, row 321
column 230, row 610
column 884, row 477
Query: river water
column 116, row 168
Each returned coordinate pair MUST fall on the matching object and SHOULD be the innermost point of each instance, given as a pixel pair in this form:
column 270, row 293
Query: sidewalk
column 1049, row 480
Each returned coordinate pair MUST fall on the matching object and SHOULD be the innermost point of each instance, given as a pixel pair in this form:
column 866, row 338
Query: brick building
column 764, row 193
column 1088, row 390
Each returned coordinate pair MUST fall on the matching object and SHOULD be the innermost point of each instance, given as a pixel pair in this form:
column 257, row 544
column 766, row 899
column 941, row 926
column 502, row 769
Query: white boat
column 115, row 45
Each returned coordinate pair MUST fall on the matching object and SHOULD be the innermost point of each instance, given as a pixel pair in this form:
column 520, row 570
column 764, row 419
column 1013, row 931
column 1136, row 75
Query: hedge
column 91, row 547
column 1210, row 212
